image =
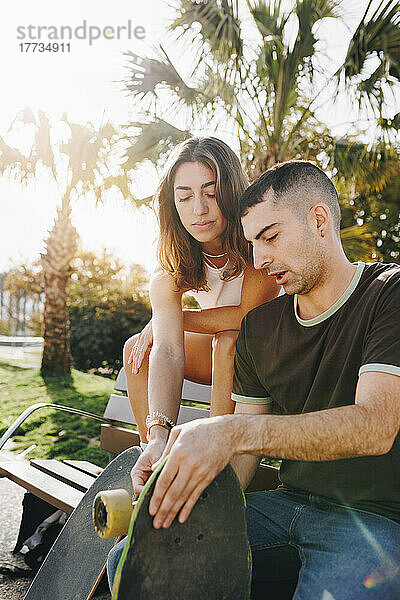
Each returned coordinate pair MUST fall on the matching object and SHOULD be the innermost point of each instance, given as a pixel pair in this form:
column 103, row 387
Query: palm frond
column 393, row 123
column 147, row 74
column 42, row 149
column 218, row 23
column 269, row 18
column 376, row 36
column 153, row 141
column 24, row 116
column 82, row 149
column 121, row 183
column 367, row 170
column 358, row 242
column 14, row 163
column 310, row 12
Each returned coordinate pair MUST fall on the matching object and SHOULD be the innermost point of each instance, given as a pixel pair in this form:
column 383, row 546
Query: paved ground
column 15, row 576
column 28, row 356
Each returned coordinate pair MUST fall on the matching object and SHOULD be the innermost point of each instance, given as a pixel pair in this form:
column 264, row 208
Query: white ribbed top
column 221, row 293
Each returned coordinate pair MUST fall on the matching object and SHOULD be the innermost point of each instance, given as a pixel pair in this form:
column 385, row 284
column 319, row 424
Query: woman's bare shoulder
column 162, row 282
column 159, row 273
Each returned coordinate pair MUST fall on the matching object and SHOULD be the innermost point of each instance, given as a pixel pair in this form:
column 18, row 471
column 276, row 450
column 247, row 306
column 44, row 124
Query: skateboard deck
column 208, row 556
column 78, row 555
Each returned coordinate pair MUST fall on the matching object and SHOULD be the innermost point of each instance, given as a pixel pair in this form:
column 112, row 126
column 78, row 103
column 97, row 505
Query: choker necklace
column 220, row 270
column 214, row 255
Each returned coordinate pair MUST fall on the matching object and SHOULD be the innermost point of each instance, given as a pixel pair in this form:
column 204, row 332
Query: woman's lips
column 204, row 225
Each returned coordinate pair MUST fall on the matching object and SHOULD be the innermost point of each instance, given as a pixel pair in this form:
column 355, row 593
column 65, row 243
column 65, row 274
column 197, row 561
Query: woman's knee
column 224, row 343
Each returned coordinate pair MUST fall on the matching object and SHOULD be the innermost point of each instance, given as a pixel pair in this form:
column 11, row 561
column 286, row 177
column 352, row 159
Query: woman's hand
column 143, row 341
column 143, row 467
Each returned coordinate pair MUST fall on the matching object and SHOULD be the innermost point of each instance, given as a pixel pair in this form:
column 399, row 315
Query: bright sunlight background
column 85, row 84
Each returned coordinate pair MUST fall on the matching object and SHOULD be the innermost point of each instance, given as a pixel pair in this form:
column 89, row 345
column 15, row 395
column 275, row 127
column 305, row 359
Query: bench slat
column 189, row 413
column 195, row 392
column 119, row 409
column 85, row 466
column 78, row 480
column 44, row 486
column 117, row 439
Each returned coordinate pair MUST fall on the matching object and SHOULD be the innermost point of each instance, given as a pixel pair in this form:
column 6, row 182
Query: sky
column 85, row 83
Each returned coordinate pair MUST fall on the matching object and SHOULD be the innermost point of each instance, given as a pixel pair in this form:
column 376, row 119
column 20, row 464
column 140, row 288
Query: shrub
column 100, row 329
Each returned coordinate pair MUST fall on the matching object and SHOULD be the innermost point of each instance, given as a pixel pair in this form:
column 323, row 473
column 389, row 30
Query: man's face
column 286, row 246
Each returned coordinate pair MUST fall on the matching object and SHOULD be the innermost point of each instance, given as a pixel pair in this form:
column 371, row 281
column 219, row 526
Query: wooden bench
column 63, row 484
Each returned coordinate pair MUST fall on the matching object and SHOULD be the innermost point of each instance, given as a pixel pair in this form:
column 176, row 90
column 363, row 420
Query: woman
column 202, row 250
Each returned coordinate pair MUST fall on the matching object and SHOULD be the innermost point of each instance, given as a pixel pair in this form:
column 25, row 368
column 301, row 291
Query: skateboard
column 77, row 558
column 208, row 556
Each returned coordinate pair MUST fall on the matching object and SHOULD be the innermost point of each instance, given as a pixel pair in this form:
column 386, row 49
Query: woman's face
column 196, row 204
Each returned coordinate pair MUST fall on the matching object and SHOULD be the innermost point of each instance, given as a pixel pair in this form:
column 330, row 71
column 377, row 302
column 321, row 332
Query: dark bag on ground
column 34, row 512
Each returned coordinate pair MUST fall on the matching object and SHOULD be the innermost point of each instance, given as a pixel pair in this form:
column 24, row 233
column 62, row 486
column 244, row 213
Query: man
column 326, row 356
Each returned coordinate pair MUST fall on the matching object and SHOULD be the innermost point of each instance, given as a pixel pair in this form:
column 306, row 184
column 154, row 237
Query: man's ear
column 320, row 218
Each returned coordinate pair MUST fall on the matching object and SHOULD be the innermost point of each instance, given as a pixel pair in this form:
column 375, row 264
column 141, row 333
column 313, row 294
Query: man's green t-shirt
column 306, row 366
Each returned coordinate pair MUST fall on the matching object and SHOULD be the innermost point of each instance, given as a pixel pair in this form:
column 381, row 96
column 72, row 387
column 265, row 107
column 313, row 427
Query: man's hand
column 143, row 467
column 197, row 452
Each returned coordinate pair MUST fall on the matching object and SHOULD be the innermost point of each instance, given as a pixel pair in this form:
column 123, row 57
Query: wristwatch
column 162, row 421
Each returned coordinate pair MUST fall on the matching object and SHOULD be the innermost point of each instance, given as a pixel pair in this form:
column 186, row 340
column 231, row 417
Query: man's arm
column 368, row 427
column 246, row 465
column 257, row 288
column 198, row 451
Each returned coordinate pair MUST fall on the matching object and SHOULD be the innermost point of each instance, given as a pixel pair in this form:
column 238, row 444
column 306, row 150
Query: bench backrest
column 119, row 408
column 117, row 439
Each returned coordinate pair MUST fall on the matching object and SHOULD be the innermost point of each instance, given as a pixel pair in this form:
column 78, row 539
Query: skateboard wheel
column 112, row 511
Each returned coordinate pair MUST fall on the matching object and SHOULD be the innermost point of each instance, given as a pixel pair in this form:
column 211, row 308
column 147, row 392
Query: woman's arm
column 167, row 357
column 257, row 288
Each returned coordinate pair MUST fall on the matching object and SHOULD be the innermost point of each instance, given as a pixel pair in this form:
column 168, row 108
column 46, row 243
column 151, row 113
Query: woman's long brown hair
column 178, row 252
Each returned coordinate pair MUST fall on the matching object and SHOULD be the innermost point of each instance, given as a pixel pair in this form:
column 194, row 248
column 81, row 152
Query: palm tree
column 83, row 160
column 377, row 36
column 254, row 74
column 258, row 85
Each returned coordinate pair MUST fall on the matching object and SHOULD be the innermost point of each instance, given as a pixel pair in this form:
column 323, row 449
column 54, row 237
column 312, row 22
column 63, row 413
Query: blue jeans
column 307, row 548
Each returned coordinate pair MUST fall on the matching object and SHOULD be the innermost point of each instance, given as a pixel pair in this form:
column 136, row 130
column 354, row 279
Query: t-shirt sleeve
column 382, row 345
column 247, row 388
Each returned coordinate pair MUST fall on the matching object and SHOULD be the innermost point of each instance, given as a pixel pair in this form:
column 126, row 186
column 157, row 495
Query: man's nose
column 200, row 206
column 260, row 258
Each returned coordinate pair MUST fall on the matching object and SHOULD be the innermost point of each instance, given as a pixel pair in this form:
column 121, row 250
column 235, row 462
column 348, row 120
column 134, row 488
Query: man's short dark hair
column 298, row 184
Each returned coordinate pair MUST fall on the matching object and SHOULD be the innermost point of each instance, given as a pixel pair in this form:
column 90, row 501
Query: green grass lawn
column 56, row 434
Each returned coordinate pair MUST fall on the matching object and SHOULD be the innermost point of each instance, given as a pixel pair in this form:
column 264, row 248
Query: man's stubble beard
column 313, row 271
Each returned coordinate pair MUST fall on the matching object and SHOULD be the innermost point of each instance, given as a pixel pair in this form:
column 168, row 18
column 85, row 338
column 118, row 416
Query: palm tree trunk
column 269, row 158
column 24, row 312
column 60, row 251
